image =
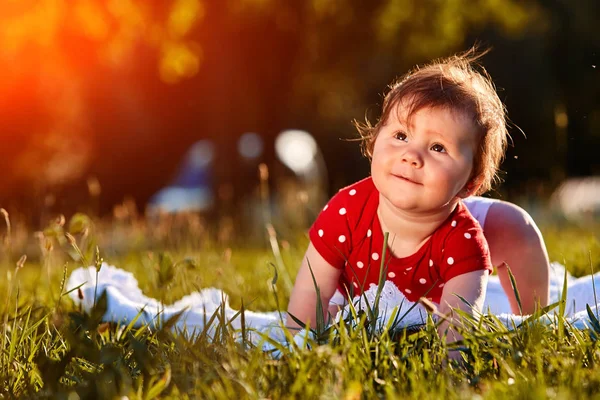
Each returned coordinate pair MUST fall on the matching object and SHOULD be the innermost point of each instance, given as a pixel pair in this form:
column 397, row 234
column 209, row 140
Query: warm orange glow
column 49, row 52
column 183, row 16
column 179, row 61
column 32, row 32
column 91, row 20
column 29, row 22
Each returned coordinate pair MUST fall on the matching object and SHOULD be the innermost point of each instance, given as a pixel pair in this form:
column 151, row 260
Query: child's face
column 424, row 167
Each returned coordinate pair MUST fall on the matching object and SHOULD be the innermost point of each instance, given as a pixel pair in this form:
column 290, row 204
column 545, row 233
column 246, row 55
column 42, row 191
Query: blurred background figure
column 579, row 198
column 192, row 188
column 250, row 146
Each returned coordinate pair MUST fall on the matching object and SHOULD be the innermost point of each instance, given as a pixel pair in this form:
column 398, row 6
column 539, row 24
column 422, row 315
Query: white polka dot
column 326, row 206
column 355, row 284
column 408, row 291
column 321, row 232
column 342, row 211
column 392, row 275
column 453, row 224
column 450, row 260
column 431, row 263
column 360, row 264
column 369, row 233
column 409, row 268
column 342, row 238
column 422, row 281
column 467, row 235
column 375, row 256
column 352, row 192
column 441, row 285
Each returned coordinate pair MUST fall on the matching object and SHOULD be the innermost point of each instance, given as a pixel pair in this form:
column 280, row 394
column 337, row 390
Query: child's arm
column 303, row 301
column 471, row 286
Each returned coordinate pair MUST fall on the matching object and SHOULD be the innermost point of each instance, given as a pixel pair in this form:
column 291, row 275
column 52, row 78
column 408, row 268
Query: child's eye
column 401, row 136
column 439, row 148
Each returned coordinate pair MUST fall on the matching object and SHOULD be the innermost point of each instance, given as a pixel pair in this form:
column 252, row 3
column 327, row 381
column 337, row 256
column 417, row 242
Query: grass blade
column 562, row 305
column 513, row 284
column 320, row 313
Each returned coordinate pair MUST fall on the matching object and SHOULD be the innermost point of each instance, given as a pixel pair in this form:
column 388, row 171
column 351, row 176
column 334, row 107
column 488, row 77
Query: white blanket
column 125, row 302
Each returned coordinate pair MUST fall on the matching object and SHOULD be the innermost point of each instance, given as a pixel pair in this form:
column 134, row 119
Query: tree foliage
column 133, row 81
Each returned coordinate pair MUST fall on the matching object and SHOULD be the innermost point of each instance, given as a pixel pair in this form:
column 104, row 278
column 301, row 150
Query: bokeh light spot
column 296, row 149
column 250, row 145
column 183, row 15
column 179, row 61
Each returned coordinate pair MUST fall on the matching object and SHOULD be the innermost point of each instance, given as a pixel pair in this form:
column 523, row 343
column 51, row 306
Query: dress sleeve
column 465, row 250
column 331, row 234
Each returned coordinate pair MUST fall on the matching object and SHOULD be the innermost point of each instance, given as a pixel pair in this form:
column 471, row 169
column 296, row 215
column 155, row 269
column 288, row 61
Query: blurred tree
column 575, row 55
column 120, row 88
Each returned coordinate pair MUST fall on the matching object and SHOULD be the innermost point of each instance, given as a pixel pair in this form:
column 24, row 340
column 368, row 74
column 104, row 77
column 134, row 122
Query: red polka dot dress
column 348, row 235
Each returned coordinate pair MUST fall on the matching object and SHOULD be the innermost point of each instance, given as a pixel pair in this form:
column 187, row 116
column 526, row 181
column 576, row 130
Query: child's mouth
column 404, row 178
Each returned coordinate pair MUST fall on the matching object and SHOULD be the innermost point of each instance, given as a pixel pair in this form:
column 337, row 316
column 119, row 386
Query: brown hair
column 460, row 84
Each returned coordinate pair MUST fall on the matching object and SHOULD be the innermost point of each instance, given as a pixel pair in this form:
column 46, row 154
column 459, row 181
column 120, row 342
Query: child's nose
column 413, row 157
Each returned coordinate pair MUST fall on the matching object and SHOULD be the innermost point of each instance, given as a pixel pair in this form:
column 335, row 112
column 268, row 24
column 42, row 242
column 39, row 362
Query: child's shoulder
column 458, row 223
column 459, row 226
column 461, row 245
column 464, row 218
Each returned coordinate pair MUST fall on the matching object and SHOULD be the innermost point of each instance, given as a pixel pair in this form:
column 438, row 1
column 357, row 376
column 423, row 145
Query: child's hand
column 303, row 301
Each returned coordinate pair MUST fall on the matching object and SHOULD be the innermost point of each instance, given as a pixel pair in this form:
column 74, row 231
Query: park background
column 106, row 104
column 101, row 100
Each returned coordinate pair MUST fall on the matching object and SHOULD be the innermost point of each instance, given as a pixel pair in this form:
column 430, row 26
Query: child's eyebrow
column 441, row 135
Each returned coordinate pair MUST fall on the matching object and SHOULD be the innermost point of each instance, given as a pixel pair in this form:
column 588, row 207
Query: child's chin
column 419, row 206
column 408, row 205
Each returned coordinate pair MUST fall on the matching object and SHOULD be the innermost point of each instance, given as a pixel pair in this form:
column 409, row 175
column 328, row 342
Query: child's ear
column 470, row 188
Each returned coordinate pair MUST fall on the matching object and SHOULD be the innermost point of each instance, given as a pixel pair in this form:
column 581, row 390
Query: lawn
column 50, row 349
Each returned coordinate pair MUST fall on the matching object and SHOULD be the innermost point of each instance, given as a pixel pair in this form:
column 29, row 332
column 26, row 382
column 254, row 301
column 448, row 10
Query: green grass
column 50, row 349
column 576, row 247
